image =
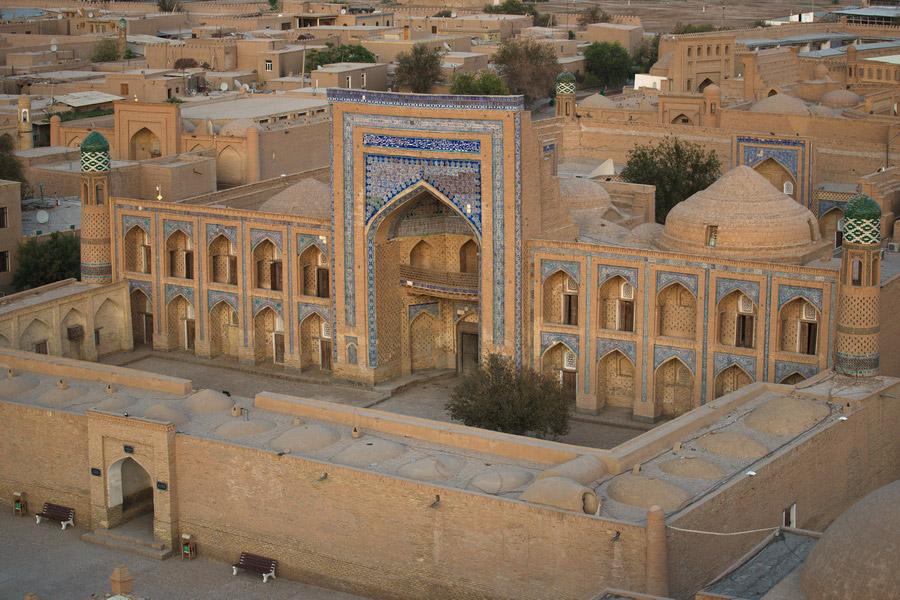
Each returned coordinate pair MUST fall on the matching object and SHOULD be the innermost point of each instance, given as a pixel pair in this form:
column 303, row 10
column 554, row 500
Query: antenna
column 42, row 216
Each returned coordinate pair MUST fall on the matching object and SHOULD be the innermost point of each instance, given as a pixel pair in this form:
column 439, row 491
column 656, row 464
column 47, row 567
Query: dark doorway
column 326, row 355
column 468, row 352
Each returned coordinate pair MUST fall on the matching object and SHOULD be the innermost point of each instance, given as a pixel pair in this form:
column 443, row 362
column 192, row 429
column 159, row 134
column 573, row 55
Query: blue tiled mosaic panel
column 261, row 303
column 176, row 290
column 213, row 231
column 144, row 286
column 213, row 297
column 784, row 368
column 549, row 338
column 258, row 235
column 722, row 361
column 725, row 286
column 688, row 280
column 129, row 221
column 605, row 346
column 377, row 140
column 462, row 308
column 785, row 151
column 427, row 100
column 305, row 241
column 606, row 272
column 305, row 309
column 826, row 205
column 416, row 309
column 169, row 227
column 786, row 293
column 549, row 267
column 351, row 355
column 663, row 353
column 458, row 180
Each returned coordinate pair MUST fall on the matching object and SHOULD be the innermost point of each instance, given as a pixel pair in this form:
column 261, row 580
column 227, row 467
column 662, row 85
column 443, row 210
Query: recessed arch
column 674, row 389
column 731, row 379
column 421, row 255
column 792, row 379
column 615, row 380
column 137, row 250
column 144, row 144
column 829, row 225
column 36, row 337
column 129, row 488
column 141, row 317
column 778, row 175
column 682, row 119
column 230, row 166
column 73, row 329
column 422, row 341
column 180, row 322
column 676, row 311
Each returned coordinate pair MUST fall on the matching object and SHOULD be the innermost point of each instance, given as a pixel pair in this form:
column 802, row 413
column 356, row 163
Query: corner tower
column 565, row 95
column 858, row 323
column 96, row 249
column 26, row 129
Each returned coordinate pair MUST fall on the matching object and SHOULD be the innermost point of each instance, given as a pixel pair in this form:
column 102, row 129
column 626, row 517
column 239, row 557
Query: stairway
column 135, row 536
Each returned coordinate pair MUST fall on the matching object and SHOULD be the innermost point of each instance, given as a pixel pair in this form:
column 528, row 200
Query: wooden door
column 148, row 328
column 278, row 342
column 468, row 349
column 190, row 333
column 325, row 349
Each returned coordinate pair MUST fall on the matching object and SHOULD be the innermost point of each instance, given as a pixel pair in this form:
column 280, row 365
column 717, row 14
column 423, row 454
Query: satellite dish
column 90, row 15
column 224, row 87
column 59, row 17
column 453, row 14
column 53, row 47
column 245, row 87
column 447, row 47
column 42, row 216
column 237, row 83
column 343, row 11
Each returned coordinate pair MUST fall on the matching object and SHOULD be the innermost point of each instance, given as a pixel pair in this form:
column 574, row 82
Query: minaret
column 96, row 248
column 565, row 95
column 858, row 323
column 25, row 127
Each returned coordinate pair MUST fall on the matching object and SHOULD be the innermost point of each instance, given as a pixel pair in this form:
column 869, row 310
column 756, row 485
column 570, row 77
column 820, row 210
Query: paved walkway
column 57, row 565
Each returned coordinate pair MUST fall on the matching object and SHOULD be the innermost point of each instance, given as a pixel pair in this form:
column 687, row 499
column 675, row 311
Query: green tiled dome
column 94, row 142
column 566, row 77
column 862, row 207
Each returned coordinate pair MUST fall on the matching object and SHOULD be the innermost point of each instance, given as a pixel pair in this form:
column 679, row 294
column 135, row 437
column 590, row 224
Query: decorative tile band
column 179, row 290
column 722, row 361
column 395, row 142
column 129, row 221
column 213, row 231
column 784, row 368
column 549, row 267
column 725, row 286
column 550, row 338
column 169, row 227
column 462, row 308
column 261, row 303
column 753, row 155
column 605, row 346
column 786, row 293
column 606, row 272
column 213, row 297
column 304, row 309
column 688, row 280
column 416, row 309
column 258, row 235
column 826, row 205
column 144, row 286
column 305, row 241
column 663, row 353
column 426, row 100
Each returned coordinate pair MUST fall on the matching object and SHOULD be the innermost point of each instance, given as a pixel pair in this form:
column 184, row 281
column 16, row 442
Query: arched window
column 99, row 193
column 856, row 272
column 689, row 50
column 788, row 188
column 876, row 274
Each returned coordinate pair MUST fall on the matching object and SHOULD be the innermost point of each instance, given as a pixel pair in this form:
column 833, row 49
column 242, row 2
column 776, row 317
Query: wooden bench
column 55, row 512
column 257, row 564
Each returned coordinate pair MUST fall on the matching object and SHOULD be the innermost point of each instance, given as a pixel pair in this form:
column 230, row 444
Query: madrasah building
column 452, row 227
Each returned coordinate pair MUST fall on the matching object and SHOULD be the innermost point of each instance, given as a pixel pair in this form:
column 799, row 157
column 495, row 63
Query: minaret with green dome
column 565, row 95
column 96, row 247
column 858, row 322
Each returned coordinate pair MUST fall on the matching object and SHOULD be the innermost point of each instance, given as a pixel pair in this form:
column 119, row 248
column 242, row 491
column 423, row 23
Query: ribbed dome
column 597, row 101
column 781, row 104
column 308, row 198
column 840, row 99
column 238, row 127
column 578, row 193
column 862, row 207
column 752, row 220
column 94, row 142
column 565, row 77
column 856, row 557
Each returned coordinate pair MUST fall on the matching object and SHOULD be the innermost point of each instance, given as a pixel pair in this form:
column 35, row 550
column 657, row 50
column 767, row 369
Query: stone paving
column 56, row 565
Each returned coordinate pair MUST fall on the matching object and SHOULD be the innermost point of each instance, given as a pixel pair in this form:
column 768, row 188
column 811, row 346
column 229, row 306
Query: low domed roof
column 238, row 127
column 165, row 413
column 638, row 490
column 819, row 110
column 597, row 101
column 862, row 207
column 240, row 428
column 306, row 438
column 432, row 468
column 728, row 443
column 578, row 192
column 856, row 557
column 786, row 416
column 820, row 71
column 187, row 126
column 498, row 482
column 368, row 451
column 307, row 198
column 566, row 77
column 207, row 401
column 781, row 104
column 644, row 234
column 712, row 90
column 95, row 142
column 841, row 99
column 752, row 220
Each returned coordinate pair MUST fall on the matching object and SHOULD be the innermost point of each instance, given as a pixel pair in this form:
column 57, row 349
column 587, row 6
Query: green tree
column 446, row 13
column 11, row 168
column 40, row 263
column 518, row 400
column 169, row 6
column 609, row 62
column 510, row 7
column 646, row 55
column 336, row 54
column 592, row 14
column 106, row 50
column 677, row 169
column 483, row 83
column 529, row 67
column 273, row 4
column 419, row 68
column 682, row 28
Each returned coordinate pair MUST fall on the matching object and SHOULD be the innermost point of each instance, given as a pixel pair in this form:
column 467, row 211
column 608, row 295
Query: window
column 145, row 259
column 856, row 272
column 268, row 65
column 123, row 89
column 96, row 337
column 3, row 218
column 689, row 51
column 789, row 516
column 570, row 309
column 4, row 261
column 99, row 194
column 625, row 315
column 362, row 79
column 41, row 348
column 788, row 188
column 743, row 334
column 806, row 344
column 712, row 231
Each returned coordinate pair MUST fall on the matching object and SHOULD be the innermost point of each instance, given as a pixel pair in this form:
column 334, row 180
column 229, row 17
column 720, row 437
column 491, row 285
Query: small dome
column 162, row 412
column 692, row 467
column 584, row 469
column 561, row 492
column 752, row 219
column 368, row 452
column 115, row 403
column 597, row 101
column 207, row 401
column 308, row 198
column 17, row 385
column 240, row 428
column 862, row 207
column 94, row 142
column 565, row 77
column 712, row 91
column 823, row 111
column 187, row 126
column 644, row 234
column 786, row 416
column 820, row 71
column 307, row 438
column 432, row 468
column 638, row 490
column 579, row 193
column 498, row 482
column 57, row 397
column 781, row 104
column 856, row 557
column 840, row 99
column 728, row 443
column 238, row 128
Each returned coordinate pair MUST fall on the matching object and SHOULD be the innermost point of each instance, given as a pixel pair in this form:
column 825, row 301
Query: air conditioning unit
column 570, row 361
column 570, row 286
column 627, row 291
column 745, row 304
column 809, row 312
column 326, row 330
column 74, row 333
column 893, row 247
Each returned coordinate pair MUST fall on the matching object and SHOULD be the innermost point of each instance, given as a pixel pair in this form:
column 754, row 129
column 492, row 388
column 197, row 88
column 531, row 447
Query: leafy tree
column 677, row 169
column 336, row 54
column 129, row 54
column 609, row 62
column 593, row 14
column 273, row 4
column 168, row 6
column 530, row 67
column 40, row 263
column 483, row 83
column 106, row 50
column 419, row 68
column 682, row 28
column 646, row 55
column 510, row 7
column 760, row 23
column 518, row 400
column 446, row 13
column 11, row 168
column 183, row 64
column 544, row 19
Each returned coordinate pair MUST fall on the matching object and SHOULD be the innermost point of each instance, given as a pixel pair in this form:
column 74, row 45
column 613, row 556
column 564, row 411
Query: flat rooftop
column 251, row 107
column 68, row 287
